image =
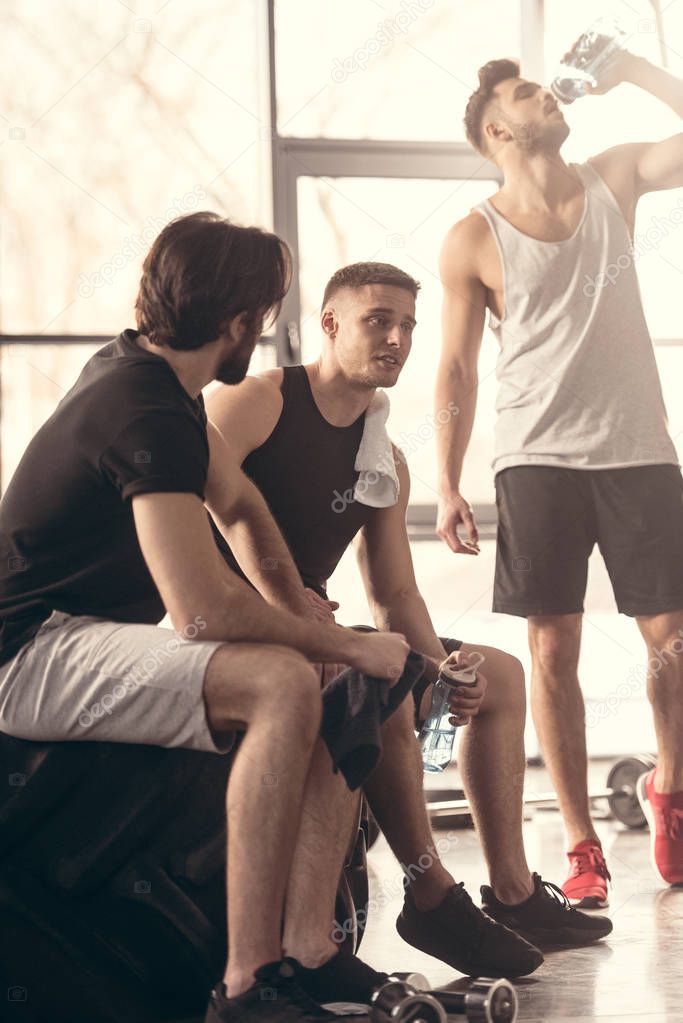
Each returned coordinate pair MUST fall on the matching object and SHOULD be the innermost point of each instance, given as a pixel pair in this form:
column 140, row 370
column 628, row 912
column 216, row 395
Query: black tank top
column 305, row 471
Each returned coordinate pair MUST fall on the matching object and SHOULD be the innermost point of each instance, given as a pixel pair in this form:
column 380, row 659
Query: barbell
column 620, row 793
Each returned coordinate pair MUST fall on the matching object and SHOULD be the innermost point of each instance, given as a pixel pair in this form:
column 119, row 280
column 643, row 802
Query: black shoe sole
column 468, row 967
column 552, row 941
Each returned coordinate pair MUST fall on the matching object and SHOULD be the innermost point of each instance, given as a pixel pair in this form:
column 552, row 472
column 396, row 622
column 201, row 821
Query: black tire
column 112, row 881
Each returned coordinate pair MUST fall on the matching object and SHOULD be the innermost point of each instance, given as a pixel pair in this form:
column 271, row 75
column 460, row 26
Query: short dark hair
column 201, row 271
column 490, row 75
column 357, row 275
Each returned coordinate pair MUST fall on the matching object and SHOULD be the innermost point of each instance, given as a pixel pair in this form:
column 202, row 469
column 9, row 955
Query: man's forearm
column 658, row 82
column 242, row 616
column 409, row 615
column 453, row 436
column 261, row 552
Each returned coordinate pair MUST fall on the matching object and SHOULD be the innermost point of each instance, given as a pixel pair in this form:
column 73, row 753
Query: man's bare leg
column 395, row 793
column 559, row 716
column 243, row 686
column 491, row 759
column 330, row 811
column 662, row 634
column 492, row 764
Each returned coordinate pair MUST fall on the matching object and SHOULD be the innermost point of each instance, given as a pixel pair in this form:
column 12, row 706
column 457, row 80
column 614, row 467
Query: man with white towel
column 314, row 441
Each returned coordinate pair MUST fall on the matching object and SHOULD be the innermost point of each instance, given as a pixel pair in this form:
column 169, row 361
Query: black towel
column 355, row 706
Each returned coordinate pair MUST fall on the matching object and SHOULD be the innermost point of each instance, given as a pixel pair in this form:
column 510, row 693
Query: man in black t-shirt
column 103, row 529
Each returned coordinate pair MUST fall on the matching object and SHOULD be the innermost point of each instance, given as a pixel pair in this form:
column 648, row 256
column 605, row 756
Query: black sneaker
column 343, row 978
column 458, row 933
column 546, row 918
column 275, row 997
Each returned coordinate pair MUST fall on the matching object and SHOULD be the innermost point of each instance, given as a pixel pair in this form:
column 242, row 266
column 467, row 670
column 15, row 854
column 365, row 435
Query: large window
column 115, row 122
column 400, row 69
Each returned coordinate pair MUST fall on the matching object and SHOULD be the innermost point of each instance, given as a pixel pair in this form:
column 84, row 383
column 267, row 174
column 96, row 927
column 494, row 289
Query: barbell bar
column 620, row 792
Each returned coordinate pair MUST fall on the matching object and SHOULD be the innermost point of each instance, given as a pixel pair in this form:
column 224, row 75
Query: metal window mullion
column 351, row 158
column 532, row 22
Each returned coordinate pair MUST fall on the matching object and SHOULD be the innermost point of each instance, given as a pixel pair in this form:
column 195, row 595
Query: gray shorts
column 88, row 679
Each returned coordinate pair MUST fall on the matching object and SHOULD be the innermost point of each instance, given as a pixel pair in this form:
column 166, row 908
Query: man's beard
column 535, row 138
column 234, row 369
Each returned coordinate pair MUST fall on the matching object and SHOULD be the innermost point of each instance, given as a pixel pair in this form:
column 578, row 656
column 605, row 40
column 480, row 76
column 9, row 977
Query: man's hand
column 453, row 512
column 380, row 654
column 619, row 69
column 322, row 610
column 466, row 701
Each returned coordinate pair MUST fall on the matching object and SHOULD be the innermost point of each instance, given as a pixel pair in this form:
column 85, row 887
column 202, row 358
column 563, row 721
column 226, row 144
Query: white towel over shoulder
column 377, row 486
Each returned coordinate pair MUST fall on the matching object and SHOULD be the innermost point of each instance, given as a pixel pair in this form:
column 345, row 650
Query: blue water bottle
column 437, row 733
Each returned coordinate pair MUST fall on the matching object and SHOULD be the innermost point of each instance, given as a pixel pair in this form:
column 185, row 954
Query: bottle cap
column 465, row 674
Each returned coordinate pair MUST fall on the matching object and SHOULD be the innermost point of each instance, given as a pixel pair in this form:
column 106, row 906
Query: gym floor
column 634, row 975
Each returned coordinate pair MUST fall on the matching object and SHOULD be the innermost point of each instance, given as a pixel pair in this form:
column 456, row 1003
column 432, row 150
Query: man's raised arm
column 639, row 167
column 463, row 310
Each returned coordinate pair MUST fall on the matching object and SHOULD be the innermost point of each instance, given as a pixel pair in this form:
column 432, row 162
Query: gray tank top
column 578, row 381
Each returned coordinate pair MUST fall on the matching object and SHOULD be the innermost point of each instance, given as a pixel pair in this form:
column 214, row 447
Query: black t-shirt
column 67, row 534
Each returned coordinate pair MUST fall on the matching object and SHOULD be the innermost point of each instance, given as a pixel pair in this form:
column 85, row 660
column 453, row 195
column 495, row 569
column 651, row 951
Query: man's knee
column 273, row 681
column 506, row 692
column 294, row 682
column 663, row 634
column 554, row 644
column 514, row 683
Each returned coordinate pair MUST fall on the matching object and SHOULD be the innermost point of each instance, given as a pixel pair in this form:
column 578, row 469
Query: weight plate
column 622, row 780
column 503, row 1005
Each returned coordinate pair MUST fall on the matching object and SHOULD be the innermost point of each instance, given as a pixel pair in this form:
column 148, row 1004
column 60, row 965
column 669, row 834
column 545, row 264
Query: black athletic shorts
column 549, row 518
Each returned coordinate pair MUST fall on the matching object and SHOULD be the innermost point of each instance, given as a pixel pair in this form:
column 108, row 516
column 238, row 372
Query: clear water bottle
column 590, row 56
column 437, row 733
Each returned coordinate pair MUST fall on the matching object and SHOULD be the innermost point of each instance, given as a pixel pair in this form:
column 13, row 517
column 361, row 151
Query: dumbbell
column 485, row 1001
column 400, row 1001
column 406, row 998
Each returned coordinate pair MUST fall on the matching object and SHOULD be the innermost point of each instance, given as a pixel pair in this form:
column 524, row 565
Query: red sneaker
column 587, row 886
column 664, row 812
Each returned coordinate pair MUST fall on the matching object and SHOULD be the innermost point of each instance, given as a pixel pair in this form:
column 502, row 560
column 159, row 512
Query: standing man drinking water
column 582, row 450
